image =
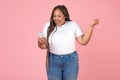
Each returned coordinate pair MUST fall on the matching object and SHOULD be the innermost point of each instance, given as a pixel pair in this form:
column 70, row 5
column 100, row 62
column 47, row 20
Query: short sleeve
column 45, row 29
column 78, row 30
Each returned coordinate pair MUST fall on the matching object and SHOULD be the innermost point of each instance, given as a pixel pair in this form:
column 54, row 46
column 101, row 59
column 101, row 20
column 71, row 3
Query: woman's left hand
column 94, row 22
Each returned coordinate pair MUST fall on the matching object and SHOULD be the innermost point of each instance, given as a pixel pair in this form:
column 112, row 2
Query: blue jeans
column 63, row 67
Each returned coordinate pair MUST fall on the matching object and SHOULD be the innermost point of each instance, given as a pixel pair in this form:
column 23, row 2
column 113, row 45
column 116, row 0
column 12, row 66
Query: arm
column 42, row 43
column 84, row 39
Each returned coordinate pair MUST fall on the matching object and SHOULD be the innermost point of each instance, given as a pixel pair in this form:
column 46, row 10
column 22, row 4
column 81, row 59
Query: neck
column 59, row 25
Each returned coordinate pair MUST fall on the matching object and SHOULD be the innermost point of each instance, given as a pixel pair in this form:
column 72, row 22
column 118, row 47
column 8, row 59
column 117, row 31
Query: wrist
column 91, row 26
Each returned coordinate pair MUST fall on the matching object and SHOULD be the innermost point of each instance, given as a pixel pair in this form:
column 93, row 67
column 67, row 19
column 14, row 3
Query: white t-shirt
column 62, row 41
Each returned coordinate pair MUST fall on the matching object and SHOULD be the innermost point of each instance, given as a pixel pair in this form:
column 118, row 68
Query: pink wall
column 20, row 21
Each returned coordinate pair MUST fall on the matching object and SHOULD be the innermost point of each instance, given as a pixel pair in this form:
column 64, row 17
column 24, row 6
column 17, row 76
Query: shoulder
column 73, row 24
column 47, row 24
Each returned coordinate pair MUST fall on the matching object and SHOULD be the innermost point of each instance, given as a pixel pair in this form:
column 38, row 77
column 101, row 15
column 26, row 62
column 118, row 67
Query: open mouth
column 57, row 22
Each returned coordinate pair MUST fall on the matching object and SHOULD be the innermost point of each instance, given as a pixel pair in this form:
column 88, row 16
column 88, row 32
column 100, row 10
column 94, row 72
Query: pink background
column 20, row 21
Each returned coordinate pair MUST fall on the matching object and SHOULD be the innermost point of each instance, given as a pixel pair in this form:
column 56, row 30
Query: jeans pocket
column 74, row 57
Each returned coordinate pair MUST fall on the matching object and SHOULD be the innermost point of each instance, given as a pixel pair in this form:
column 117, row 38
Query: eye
column 59, row 16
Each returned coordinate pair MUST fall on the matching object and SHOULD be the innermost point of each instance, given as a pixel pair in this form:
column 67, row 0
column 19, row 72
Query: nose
column 55, row 19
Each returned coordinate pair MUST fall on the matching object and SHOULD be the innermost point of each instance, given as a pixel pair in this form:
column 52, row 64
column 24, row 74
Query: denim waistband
column 63, row 54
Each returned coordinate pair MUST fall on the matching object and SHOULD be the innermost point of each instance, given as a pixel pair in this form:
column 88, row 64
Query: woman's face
column 58, row 17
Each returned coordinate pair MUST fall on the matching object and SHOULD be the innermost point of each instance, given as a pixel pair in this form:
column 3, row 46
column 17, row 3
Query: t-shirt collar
column 62, row 25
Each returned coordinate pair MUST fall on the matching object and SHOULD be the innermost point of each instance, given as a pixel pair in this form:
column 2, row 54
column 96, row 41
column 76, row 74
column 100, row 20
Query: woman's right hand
column 42, row 42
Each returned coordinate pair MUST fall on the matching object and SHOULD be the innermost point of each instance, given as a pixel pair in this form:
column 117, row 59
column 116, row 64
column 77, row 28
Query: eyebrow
column 59, row 14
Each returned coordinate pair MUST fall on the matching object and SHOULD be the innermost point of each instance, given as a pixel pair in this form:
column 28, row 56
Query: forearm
column 87, row 35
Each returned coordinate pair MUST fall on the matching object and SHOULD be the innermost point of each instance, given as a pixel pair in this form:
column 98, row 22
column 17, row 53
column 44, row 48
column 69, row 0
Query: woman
column 60, row 35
